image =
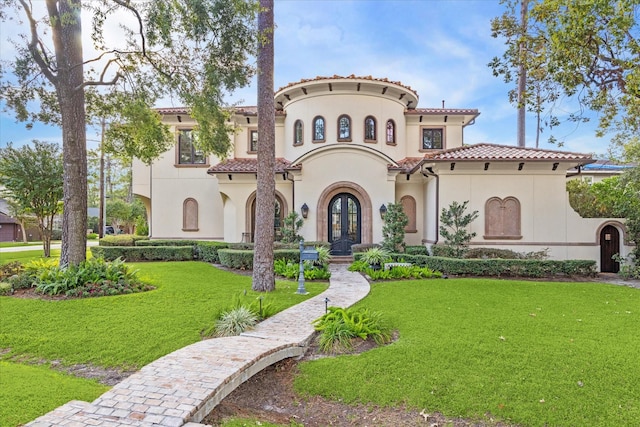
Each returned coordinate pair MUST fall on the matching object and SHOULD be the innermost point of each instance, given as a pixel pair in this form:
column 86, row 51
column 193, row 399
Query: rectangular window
column 432, row 138
column 188, row 153
column 253, row 141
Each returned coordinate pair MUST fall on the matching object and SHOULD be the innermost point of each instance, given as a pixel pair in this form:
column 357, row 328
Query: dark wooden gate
column 609, row 246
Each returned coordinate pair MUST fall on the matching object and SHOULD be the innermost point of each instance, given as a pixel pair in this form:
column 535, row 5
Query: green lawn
column 30, row 391
column 530, row 353
column 24, row 256
column 127, row 331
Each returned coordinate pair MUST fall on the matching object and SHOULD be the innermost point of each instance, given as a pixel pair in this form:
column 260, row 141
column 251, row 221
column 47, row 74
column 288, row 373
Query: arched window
column 502, row 218
column 298, row 133
column 344, row 128
column 409, row 208
column 391, row 132
column 370, row 129
column 318, row 129
column 190, row 215
column 278, row 219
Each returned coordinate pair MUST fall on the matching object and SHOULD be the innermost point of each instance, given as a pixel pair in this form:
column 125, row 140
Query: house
column 348, row 146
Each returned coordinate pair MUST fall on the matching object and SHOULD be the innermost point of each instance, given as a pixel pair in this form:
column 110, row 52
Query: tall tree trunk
column 263, row 275
column 522, row 78
column 70, row 92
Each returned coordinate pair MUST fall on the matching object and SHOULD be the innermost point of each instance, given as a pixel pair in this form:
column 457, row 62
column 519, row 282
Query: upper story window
column 370, row 129
column 344, row 128
column 391, row 132
column 318, row 129
column 298, row 133
column 253, row 141
column 432, row 138
column 188, row 154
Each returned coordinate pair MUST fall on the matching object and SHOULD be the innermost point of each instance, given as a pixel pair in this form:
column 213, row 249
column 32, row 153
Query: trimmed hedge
column 243, row 259
column 416, row 250
column 121, row 240
column 165, row 242
column 144, row 253
column 208, row 251
column 511, row 267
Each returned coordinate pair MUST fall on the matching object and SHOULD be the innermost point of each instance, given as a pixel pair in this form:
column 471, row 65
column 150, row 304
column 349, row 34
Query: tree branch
column 35, row 42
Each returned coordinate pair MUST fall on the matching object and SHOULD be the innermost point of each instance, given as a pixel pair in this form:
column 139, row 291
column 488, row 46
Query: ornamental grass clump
column 235, row 321
column 340, row 327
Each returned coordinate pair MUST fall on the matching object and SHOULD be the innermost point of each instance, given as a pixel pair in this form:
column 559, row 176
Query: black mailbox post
column 306, row 254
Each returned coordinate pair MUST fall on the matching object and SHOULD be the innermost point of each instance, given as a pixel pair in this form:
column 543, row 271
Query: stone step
column 341, row 259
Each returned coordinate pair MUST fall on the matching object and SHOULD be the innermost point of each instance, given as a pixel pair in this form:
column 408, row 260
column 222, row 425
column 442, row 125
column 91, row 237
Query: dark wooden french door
column 609, row 246
column 345, row 218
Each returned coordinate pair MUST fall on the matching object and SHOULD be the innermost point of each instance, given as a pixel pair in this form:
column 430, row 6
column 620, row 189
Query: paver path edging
column 183, row 387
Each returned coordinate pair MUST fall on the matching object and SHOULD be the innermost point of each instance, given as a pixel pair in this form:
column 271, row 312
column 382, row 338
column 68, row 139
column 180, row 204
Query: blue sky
column 438, row 48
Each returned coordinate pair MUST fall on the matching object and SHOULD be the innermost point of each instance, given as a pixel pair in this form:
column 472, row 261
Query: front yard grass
column 42, row 389
column 529, row 353
column 127, row 331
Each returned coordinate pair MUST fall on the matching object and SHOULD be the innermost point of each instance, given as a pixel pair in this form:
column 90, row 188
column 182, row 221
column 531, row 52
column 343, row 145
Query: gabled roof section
column 494, row 152
column 248, row 165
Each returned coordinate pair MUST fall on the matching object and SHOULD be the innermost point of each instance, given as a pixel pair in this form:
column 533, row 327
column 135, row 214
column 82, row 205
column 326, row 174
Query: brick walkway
column 181, row 388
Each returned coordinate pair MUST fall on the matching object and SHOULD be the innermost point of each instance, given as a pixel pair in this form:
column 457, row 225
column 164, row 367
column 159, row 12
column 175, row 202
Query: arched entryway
column 280, row 211
column 609, row 246
column 344, row 222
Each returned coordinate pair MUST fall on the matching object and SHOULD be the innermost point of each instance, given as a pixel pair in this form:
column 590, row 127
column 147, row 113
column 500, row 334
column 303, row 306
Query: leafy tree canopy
column 194, row 51
column 32, row 179
column 587, row 49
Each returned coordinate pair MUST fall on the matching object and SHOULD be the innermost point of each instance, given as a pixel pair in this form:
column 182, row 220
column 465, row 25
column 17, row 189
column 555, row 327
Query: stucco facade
column 346, row 146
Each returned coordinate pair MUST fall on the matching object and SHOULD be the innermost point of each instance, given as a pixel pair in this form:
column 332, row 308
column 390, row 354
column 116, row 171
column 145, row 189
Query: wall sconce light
column 305, row 210
column 383, row 211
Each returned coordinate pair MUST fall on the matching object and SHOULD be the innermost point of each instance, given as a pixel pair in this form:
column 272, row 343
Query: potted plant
column 375, row 257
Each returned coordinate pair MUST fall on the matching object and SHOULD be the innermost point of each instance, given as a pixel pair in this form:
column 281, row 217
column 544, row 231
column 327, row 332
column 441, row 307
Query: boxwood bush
column 121, row 240
column 511, row 267
column 144, row 253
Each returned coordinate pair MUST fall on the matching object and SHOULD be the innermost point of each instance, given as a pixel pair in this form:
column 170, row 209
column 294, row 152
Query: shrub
column 454, row 222
column 208, row 251
column 492, row 253
column 144, row 253
column 291, row 225
column 339, row 327
column 5, row 288
column 93, row 277
column 416, row 250
column 363, row 247
column 10, row 269
column 395, row 220
column 121, row 240
column 92, row 236
column 236, row 258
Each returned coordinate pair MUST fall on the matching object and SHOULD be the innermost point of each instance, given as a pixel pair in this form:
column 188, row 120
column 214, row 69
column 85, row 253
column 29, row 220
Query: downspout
column 428, row 173
column 293, row 191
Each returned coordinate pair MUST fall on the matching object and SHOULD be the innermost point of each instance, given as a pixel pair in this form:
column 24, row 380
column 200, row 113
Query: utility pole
column 103, row 206
column 522, row 75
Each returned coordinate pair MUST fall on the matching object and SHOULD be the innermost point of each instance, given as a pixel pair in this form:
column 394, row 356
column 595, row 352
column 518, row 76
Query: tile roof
column 249, row 165
column 250, row 110
column 351, row 77
column 504, row 153
column 407, row 165
column 433, row 111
